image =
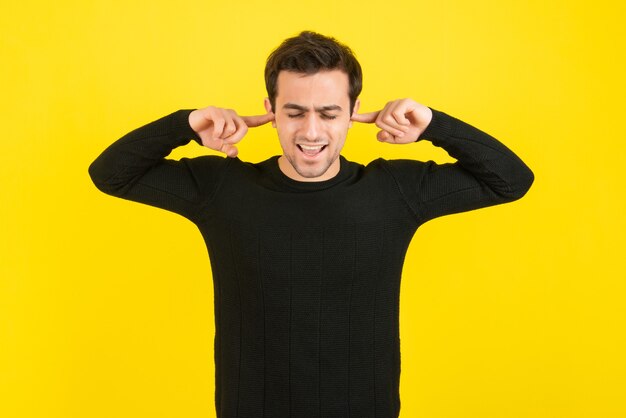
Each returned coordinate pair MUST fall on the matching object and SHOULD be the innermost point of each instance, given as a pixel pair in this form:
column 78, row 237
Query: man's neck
column 287, row 169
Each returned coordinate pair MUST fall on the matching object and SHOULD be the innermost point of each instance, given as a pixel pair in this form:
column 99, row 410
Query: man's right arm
column 135, row 168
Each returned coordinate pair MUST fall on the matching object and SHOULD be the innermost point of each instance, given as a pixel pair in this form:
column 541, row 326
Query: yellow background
column 106, row 306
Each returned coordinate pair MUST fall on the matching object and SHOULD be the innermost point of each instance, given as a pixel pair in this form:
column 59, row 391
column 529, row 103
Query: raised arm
column 486, row 171
column 135, row 167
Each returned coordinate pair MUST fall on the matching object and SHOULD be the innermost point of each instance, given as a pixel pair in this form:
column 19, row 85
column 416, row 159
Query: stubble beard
column 312, row 171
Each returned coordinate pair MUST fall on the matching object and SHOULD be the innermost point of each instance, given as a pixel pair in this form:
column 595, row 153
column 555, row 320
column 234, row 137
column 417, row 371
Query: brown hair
column 309, row 53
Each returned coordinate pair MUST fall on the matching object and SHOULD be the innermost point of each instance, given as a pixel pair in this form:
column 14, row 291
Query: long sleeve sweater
column 307, row 275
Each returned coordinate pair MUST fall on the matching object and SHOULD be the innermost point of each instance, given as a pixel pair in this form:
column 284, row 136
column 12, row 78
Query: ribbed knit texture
column 307, row 275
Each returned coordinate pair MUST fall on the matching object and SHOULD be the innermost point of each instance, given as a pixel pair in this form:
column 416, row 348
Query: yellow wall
column 511, row 311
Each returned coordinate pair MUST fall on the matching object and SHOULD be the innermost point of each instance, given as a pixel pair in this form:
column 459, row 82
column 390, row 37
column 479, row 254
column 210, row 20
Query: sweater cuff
column 439, row 126
column 181, row 124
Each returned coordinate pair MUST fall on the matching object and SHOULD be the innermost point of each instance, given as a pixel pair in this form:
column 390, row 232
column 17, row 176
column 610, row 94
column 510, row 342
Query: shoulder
column 398, row 167
column 240, row 170
column 217, row 161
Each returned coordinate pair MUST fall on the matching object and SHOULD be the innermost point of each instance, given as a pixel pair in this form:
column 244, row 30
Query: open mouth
column 311, row 150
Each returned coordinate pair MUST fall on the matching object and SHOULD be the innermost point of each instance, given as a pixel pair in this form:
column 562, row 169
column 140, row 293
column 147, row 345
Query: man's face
column 312, row 117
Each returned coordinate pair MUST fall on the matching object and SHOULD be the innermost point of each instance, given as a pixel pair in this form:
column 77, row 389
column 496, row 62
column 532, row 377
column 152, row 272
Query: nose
column 311, row 127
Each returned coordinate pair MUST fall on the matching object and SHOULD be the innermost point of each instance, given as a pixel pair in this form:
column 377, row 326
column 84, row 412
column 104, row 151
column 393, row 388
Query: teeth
column 311, row 148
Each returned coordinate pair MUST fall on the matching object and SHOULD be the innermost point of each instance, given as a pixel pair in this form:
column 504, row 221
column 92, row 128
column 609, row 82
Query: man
column 307, row 248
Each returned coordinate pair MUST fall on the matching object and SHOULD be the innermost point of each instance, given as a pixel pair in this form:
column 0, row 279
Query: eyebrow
column 306, row 109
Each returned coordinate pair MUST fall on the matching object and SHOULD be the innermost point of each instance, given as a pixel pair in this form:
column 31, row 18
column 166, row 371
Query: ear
column 268, row 109
column 357, row 104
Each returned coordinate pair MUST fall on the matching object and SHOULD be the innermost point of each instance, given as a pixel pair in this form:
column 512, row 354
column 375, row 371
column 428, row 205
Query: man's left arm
column 486, row 171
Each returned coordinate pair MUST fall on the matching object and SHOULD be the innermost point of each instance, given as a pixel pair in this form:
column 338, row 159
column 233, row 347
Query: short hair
column 309, row 53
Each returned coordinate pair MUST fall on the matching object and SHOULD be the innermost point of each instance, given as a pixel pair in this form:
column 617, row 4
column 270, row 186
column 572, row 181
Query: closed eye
column 299, row 115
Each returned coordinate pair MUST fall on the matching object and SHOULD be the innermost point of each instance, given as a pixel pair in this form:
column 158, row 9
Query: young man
column 307, row 248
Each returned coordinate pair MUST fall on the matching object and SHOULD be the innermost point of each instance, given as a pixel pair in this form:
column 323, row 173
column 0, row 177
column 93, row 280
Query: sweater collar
column 345, row 171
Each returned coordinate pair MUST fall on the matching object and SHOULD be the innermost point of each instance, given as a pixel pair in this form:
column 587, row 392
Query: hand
column 401, row 121
column 219, row 129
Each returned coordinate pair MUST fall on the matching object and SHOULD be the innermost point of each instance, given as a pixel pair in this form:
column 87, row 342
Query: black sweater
column 307, row 274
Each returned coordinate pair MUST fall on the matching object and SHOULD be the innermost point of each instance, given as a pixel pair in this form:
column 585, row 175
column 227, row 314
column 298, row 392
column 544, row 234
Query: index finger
column 258, row 120
column 365, row 117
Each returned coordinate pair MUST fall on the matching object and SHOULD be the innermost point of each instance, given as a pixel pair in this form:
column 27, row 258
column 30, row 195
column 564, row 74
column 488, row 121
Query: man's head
column 313, row 83
column 309, row 53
